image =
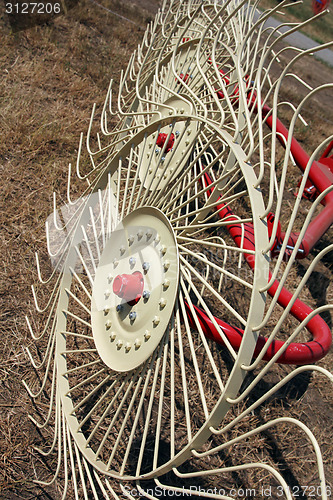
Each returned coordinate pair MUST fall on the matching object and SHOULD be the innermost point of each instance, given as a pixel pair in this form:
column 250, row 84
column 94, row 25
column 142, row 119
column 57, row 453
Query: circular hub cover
column 134, row 289
column 169, row 154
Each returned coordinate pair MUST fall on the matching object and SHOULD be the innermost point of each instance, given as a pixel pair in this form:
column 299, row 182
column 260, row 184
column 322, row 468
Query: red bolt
column 183, row 77
column 129, row 287
column 161, row 141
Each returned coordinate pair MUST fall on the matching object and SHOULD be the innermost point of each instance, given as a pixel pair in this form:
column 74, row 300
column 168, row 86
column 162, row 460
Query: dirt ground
column 50, row 76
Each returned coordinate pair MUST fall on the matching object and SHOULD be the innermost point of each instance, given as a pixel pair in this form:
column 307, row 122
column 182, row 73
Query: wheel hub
column 129, row 287
column 134, row 289
column 171, row 144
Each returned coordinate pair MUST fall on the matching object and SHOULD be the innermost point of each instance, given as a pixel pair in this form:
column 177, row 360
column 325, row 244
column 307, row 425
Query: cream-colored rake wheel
column 127, row 360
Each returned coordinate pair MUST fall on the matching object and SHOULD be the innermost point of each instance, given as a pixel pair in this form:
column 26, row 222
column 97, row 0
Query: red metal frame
column 319, row 5
column 321, row 177
column 295, row 353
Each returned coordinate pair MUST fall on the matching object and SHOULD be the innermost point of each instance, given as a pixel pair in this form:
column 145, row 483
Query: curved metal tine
column 70, row 202
column 132, row 70
column 108, row 99
column 267, row 395
column 55, row 214
column 218, row 76
column 200, row 492
column 62, row 249
column 296, row 27
column 102, row 487
column 83, row 177
column 45, row 378
column 138, row 79
column 288, row 151
column 90, row 479
column 81, row 472
column 39, row 274
column 106, row 159
column 51, row 403
column 47, row 350
column 195, row 360
column 294, row 109
column 36, row 338
column 104, row 117
column 263, row 427
column 177, row 77
column 253, row 465
column 108, row 104
column 286, row 311
column 56, row 437
column 299, row 239
column 164, row 24
column 297, row 202
column 51, row 296
column 300, row 80
column 151, row 103
column 266, row 50
column 88, row 139
column 274, row 57
column 212, row 318
column 72, row 462
column 268, row 425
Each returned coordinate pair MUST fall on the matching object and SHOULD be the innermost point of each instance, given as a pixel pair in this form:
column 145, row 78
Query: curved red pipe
column 320, row 174
column 298, row 353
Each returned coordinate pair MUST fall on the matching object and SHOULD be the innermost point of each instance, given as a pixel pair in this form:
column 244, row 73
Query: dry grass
column 50, row 75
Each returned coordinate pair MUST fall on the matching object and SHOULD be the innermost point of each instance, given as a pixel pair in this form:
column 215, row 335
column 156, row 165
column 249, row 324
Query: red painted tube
column 129, row 287
column 296, row 353
column 320, row 174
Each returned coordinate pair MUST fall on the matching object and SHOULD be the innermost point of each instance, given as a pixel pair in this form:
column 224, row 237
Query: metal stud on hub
column 129, row 310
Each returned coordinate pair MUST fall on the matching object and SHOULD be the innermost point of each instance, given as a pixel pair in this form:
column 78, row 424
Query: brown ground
column 50, row 76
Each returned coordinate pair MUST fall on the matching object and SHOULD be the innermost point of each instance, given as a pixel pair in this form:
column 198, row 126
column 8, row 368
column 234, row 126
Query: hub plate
column 126, row 335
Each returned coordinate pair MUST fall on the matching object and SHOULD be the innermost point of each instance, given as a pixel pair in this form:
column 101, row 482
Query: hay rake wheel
column 150, row 253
